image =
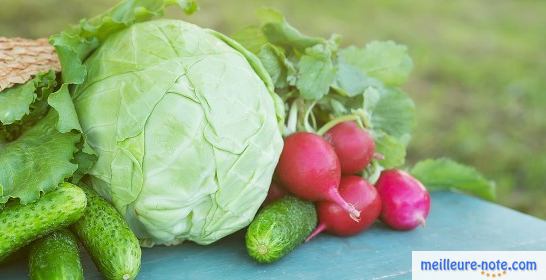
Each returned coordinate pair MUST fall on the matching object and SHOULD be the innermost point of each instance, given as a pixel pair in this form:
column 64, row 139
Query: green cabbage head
column 186, row 130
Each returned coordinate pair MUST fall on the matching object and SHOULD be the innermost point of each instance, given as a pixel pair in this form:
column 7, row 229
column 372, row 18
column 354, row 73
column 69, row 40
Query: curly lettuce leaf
column 386, row 61
column 261, row 71
column 15, row 102
column 76, row 43
column 252, row 38
column 39, row 146
column 62, row 103
column 22, row 106
column 37, row 161
column 446, row 174
column 85, row 158
column 36, row 152
column 73, row 46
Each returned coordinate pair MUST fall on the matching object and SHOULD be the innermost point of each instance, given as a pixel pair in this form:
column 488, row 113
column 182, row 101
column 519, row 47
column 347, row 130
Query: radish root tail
column 422, row 221
column 320, row 228
column 354, row 213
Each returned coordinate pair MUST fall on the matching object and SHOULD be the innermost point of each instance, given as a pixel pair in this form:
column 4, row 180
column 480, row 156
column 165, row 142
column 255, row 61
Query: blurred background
column 479, row 80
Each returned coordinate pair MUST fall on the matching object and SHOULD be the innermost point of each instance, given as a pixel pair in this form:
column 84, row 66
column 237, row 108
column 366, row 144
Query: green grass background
column 479, row 80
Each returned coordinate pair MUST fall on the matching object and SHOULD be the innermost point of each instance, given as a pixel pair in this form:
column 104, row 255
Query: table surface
column 457, row 222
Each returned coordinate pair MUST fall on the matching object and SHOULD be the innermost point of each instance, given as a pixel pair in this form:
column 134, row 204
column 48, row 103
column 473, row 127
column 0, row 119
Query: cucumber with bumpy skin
column 56, row 257
column 114, row 248
column 279, row 228
column 22, row 224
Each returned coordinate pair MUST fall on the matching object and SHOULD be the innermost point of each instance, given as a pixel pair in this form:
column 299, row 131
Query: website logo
column 469, row 265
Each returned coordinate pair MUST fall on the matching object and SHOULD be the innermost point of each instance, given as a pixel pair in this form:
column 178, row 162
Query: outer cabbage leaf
column 277, row 65
column 260, row 70
column 279, row 32
column 185, row 127
column 252, row 38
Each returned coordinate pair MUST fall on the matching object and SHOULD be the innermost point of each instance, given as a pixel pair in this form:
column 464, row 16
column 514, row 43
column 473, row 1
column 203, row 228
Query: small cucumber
column 22, row 224
column 114, row 248
column 56, row 257
column 279, row 228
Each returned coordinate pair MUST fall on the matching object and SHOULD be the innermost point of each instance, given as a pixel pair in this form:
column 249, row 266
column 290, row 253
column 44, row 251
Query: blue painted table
column 456, row 222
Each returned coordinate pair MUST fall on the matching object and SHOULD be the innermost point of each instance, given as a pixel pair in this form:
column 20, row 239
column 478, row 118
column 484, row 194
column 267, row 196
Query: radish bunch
column 324, row 169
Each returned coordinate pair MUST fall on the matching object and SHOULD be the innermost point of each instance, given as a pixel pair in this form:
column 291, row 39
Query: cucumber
column 22, row 224
column 114, row 248
column 56, row 257
column 279, row 228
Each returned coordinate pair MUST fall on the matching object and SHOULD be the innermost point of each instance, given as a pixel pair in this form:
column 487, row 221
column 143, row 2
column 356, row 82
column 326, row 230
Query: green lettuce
column 23, row 105
column 37, row 161
column 39, row 134
column 40, row 139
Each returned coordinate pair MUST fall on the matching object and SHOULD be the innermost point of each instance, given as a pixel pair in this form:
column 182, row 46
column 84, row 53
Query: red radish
column 335, row 220
column 309, row 168
column 406, row 202
column 354, row 146
column 275, row 193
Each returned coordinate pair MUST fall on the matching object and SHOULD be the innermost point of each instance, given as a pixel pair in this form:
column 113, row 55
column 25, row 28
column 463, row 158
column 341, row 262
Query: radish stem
column 292, row 119
column 306, row 124
column 336, row 198
column 335, row 121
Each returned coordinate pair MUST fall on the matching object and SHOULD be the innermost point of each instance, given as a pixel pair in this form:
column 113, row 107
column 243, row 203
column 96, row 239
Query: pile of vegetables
column 346, row 134
column 322, row 170
column 175, row 133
